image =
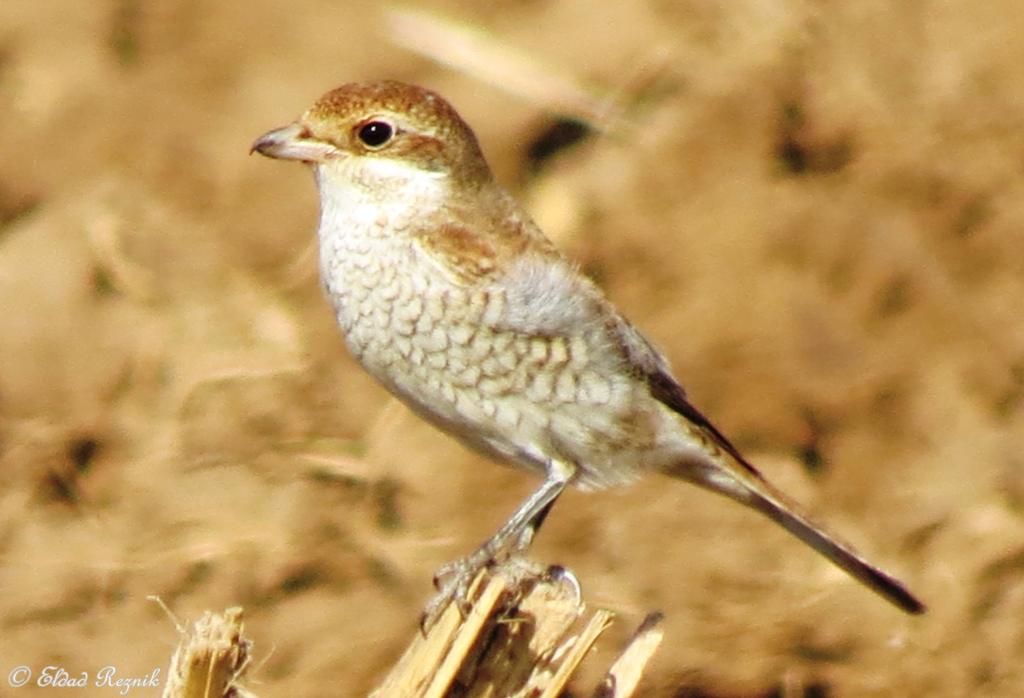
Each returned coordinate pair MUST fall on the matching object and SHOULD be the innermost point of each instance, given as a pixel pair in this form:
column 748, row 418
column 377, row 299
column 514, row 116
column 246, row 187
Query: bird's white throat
column 367, row 191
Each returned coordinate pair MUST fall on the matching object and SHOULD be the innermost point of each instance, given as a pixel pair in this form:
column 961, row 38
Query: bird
column 452, row 298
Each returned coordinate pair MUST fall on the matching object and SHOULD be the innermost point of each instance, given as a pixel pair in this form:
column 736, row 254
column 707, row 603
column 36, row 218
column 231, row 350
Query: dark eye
column 375, row 134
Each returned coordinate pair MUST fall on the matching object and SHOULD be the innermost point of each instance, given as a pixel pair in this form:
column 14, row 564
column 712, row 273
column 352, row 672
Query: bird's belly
column 518, row 398
column 466, row 388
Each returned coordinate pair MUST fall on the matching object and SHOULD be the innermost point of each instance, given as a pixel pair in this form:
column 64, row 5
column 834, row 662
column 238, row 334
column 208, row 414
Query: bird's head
column 380, row 136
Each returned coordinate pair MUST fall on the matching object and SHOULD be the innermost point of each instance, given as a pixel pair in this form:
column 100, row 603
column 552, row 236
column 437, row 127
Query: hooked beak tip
column 292, row 142
column 273, row 143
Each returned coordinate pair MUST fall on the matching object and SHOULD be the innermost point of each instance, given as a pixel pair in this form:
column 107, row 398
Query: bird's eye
column 375, row 134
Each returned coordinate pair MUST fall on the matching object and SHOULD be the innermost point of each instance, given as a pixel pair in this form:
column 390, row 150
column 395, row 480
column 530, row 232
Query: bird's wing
column 654, row 369
column 547, row 296
column 461, row 254
column 478, row 243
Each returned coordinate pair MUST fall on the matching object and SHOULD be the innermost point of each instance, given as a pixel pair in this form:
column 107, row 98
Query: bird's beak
column 293, row 142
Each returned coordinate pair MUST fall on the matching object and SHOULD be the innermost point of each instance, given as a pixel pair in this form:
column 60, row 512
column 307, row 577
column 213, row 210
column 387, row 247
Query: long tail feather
column 747, row 486
column 843, row 555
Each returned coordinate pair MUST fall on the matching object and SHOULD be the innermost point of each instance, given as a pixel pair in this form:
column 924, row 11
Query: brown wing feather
column 653, row 368
column 464, row 255
column 477, row 242
column 666, row 390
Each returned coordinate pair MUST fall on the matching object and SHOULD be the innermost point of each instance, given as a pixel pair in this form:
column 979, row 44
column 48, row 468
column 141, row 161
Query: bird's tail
column 748, row 487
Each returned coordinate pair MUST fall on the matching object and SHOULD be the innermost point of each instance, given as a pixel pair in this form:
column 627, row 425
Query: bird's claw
column 453, row 583
column 557, row 573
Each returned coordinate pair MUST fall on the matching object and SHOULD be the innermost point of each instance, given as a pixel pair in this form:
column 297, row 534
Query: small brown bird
column 450, row 296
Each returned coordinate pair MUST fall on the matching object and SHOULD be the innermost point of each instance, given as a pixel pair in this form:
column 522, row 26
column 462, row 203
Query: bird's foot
column 455, row 580
column 453, row 583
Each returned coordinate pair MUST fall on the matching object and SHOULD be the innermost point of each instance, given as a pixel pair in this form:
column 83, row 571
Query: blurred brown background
column 815, row 208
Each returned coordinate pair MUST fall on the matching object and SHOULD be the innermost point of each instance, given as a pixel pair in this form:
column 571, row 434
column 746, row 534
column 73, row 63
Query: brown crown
column 433, row 131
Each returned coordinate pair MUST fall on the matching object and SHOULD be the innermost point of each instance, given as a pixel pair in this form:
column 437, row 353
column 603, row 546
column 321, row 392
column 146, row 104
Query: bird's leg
column 531, row 528
column 454, row 579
